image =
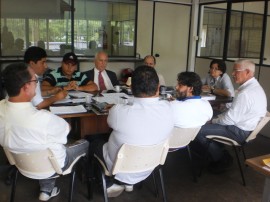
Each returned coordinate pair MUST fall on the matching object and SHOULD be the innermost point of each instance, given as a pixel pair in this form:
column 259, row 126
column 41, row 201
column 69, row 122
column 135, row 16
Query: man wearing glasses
column 23, row 128
column 248, row 107
column 67, row 77
column 36, row 59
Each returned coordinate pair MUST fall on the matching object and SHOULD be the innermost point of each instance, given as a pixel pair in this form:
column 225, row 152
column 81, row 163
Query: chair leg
column 105, row 195
column 14, row 182
column 192, row 165
column 155, row 184
column 162, row 184
column 244, row 153
column 73, row 174
column 239, row 164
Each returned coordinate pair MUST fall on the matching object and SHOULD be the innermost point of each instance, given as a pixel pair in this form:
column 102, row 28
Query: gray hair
column 246, row 64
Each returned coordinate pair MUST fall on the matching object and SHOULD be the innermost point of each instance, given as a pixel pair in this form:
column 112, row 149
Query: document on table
column 112, row 98
column 208, row 97
column 68, row 109
column 79, row 94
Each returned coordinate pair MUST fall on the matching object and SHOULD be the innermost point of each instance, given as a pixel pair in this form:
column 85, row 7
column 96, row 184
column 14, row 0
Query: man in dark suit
column 105, row 79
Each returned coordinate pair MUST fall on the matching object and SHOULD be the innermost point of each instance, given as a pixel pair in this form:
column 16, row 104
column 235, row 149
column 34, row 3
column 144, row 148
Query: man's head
column 36, row 58
column 69, row 64
column 243, row 70
column 149, row 60
column 189, row 84
column 217, row 68
column 101, row 60
column 145, row 82
column 19, row 79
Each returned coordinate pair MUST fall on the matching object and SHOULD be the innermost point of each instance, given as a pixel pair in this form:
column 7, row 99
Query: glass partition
column 267, row 39
column 244, row 34
column 98, row 25
column 212, row 30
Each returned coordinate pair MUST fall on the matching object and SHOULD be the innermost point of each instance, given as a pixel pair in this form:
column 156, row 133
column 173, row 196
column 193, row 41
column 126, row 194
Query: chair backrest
column 181, row 137
column 258, row 128
column 31, row 164
column 135, row 159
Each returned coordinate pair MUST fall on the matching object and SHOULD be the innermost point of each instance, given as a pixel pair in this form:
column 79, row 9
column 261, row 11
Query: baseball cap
column 70, row 58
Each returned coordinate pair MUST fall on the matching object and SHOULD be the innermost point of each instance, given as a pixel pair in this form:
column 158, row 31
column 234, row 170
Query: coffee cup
column 117, row 89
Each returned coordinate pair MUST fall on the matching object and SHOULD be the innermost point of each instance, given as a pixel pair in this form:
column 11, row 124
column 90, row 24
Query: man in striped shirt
column 67, row 77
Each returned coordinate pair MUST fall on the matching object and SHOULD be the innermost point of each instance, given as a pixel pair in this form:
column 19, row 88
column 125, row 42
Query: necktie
column 101, row 82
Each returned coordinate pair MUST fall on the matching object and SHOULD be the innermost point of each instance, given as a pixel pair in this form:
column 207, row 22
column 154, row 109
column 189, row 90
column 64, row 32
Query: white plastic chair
column 39, row 162
column 136, row 159
column 235, row 145
column 180, row 139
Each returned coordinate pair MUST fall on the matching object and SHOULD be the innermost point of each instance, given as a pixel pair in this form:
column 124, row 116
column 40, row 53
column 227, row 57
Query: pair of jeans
column 215, row 149
column 72, row 152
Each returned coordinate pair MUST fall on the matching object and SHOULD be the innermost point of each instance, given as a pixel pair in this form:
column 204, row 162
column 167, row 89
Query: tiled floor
column 180, row 187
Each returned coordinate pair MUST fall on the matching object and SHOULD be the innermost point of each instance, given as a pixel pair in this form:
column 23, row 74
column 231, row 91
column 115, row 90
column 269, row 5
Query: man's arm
column 90, row 86
column 49, row 101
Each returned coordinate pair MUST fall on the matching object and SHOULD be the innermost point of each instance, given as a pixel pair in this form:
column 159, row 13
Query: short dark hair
column 34, row 53
column 14, row 77
column 144, row 81
column 221, row 65
column 191, row 79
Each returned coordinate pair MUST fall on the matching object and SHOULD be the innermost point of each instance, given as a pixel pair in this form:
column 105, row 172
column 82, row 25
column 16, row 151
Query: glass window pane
column 245, row 33
column 267, row 40
column 108, row 26
column 212, row 32
column 99, row 25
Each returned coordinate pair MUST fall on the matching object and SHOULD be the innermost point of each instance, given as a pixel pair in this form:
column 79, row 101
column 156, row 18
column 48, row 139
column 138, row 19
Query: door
column 171, row 38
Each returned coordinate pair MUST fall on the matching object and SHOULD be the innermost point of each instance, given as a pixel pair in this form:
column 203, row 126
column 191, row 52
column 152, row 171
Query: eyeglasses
column 35, row 80
column 239, row 70
column 214, row 68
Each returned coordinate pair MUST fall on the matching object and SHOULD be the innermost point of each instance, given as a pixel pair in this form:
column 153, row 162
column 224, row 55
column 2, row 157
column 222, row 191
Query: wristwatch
column 212, row 89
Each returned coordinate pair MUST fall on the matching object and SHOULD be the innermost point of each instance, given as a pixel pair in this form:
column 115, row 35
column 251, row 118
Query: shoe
column 115, row 190
column 128, row 187
column 45, row 196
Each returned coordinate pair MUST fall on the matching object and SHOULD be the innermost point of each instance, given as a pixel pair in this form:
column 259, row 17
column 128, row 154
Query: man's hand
column 61, row 95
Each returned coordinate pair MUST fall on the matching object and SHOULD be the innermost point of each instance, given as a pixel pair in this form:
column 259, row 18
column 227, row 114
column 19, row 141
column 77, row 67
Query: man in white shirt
column 23, row 128
column 189, row 109
column 105, row 79
column 150, row 61
column 248, row 107
column 36, row 58
column 148, row 121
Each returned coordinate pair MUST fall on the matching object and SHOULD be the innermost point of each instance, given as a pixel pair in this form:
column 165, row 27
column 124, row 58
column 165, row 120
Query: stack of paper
column 79, row 94
column 68, row 109
column 208, row 97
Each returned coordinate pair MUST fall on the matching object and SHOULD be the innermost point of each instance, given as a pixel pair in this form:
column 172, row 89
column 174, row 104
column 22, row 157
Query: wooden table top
column 257, row 164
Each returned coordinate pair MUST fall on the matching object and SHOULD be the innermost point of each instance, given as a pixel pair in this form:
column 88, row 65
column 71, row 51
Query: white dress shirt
column 248, row 107
column 23, row 128
column 38, row 97
column 147, row 122
column 161, row 80
column 191, row 113
column 106, row 78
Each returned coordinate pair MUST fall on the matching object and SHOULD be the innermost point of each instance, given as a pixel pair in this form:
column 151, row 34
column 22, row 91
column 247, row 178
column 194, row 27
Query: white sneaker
column 115, row 190
column 45, row 196
column 128, row 188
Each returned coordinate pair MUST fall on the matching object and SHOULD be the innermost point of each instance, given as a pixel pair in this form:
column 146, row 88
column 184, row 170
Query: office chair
column 180, row 139
column 40, row 162
column 235, row 145
column 136, row 159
